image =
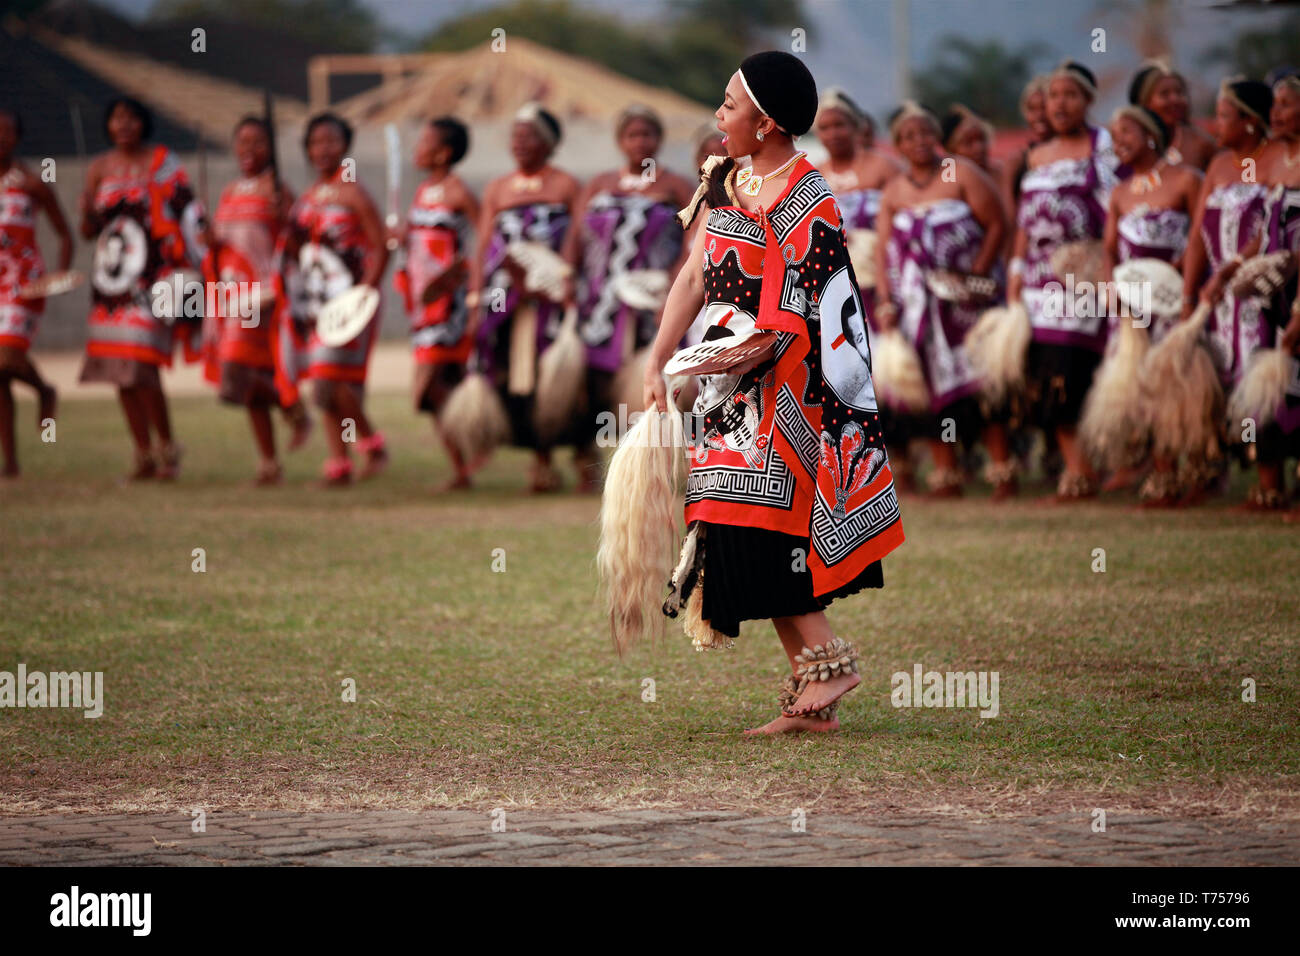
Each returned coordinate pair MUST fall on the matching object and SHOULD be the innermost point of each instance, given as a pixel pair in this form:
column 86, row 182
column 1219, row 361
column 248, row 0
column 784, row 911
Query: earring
column 759, row 134
column 1151, row 143
column 1250, row 127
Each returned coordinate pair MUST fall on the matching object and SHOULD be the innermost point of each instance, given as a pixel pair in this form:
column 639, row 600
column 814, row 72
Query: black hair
column 251, row 120
column 13, row 115
column 454, row 135
column 135, row 106
column 343, row 126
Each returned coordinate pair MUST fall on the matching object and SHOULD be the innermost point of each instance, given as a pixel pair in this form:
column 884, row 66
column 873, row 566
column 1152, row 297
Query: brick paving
column 636, row 837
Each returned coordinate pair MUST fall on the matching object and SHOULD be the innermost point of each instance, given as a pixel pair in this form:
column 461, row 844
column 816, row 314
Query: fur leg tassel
column 1113, row 426
column 997, row 347
column 1182, row 395
column 1261, row 390
column 561, row 376
column 638, row 525
column 475, row 419
column 897, row 373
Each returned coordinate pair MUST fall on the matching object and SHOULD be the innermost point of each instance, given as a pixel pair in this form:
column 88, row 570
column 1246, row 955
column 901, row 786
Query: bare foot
column 823, row 693
column 455, row 483
column 794, row 725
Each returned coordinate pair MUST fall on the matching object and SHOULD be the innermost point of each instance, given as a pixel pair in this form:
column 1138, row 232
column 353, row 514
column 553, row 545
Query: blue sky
column 851, row 42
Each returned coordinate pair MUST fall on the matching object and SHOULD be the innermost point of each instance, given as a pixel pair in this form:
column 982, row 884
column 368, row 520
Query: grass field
column 482, row 689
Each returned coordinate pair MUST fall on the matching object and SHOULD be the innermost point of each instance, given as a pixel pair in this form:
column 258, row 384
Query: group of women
column 1151, row 185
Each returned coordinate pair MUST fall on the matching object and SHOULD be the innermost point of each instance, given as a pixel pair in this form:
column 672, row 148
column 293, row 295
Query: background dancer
column 249, row 218
column 932, row 223
column 22, row 196
column 534, row 204
column 139, row 208
column 1063, row 200
column 334, row 240
column 624, row 220
column 432, row 281
column 1148, row 217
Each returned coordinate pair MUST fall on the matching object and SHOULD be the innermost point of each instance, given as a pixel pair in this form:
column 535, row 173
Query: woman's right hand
column 654, row 392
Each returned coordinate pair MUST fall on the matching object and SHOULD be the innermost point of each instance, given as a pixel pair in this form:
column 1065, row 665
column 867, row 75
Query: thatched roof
column 480, row 84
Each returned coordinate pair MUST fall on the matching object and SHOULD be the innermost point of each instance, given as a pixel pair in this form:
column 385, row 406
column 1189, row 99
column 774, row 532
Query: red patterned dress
column 246, row 225
column 788, row 468
column 331, row 255
column 148, row 230
column 20, row 262
column 437, row 234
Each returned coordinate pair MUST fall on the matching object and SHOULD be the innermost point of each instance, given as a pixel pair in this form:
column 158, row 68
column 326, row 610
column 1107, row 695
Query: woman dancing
column 789, row 497
column 1280, row 169
column 1229, row 226
column 250, row 216
column 624, row 220
column 1160, row 89
column 432, row 281
column 532, row 204
column 333, row 241
column 1149, row 217
column 140, row 210
column 22, row 196
column 930, row 223
column 1063, row 200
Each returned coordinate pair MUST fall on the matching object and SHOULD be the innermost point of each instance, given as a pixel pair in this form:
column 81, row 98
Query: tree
column 344, row 26
column 694, row 51
column 983, row 75
column 1254, row 52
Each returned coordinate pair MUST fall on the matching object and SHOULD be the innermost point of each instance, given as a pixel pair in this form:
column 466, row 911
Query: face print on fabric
column 846, row 356
column 121, row 252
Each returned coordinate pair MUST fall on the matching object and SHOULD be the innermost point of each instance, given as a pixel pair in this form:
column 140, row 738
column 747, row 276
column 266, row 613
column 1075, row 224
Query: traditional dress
column 788, row 471
column 1062, row 202
column 1281, row 438
column 1146, row 233
column 332, row 251
column 939, row 235
column 1234, row 215
column 148, row 230
column 535, row 222
column 244, row 354
column 437, row 235
column 618, row 233
column 20, row 263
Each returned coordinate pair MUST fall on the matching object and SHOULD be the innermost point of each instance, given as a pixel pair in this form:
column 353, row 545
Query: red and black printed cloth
column 795, row 444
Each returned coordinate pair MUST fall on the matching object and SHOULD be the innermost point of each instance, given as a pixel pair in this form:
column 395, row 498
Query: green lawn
column 485, row 689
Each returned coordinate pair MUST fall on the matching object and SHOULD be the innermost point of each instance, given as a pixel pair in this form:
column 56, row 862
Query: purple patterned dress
column 1284, row 233
column 1234, row 215
column 620, row 233
column 1146, row 233
column 1064, row 202
column 938, row 235
column 536, row 222
column 859, row 208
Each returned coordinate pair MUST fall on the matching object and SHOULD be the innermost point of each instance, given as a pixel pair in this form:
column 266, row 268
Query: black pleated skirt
column 1057, row 381
column 755, row 574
